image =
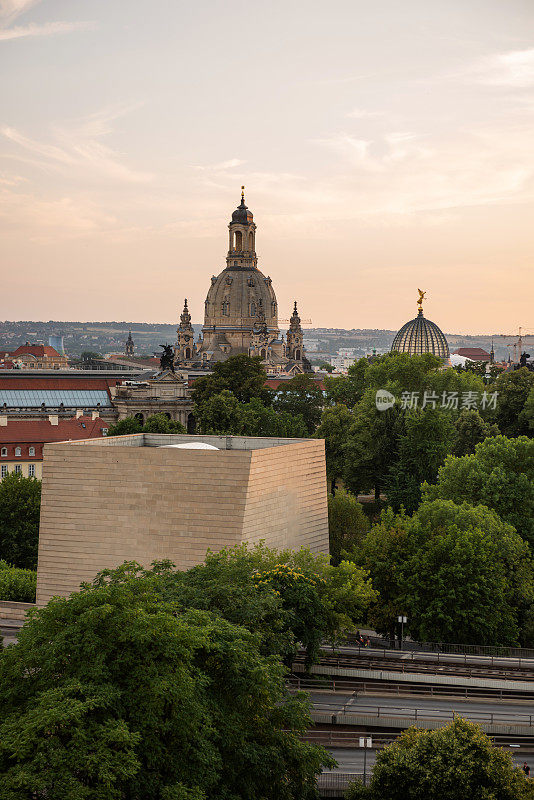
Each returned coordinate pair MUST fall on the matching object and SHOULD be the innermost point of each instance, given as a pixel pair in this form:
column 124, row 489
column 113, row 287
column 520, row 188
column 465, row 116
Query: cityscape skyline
column 382, row 149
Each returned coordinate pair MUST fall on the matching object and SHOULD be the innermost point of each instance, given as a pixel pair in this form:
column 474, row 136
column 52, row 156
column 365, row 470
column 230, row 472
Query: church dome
column 238, row 297
column 242, row 213
column 419, row 336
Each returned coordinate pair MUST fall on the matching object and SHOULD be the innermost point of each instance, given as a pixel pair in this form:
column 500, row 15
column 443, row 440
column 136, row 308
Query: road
column 442, row 658
column 504, row 711
column 351, row 759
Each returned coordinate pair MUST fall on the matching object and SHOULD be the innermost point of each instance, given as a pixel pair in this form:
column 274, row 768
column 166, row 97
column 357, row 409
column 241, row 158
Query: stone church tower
column 129, row 347
column 241, row 311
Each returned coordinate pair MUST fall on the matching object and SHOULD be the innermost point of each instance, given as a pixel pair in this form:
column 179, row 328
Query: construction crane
column 517, row 345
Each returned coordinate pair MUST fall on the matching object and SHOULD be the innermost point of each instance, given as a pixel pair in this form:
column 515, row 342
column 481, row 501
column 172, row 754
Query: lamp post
column 403, row 620
column 366, row 742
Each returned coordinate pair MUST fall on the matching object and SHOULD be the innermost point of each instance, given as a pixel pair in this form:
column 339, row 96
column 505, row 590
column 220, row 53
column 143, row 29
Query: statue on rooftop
column 166, row 360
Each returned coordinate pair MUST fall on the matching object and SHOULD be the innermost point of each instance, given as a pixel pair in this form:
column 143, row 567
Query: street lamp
column 366, row 742
column 403, row 621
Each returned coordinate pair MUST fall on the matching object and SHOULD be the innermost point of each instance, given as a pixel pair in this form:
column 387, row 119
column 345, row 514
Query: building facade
column 166, row 393
column 151, row 497
column 241, row 312
column 37, row 356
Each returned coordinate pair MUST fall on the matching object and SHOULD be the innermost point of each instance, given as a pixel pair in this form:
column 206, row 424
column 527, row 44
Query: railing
column 338, row 781
column 420, row 714
column 447, row 647
column 381, row 687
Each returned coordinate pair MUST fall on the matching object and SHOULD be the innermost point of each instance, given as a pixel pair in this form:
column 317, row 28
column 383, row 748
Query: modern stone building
column 106, row 501
column 241, row 312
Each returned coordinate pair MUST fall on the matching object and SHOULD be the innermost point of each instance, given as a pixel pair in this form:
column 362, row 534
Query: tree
column 227, row 584
column 90, row 355
column 20, row 505
column 301, row 395
column 513, row 389
column 260, row 420
column 455, row 762
column 348, row 390
column 220, row 414
column 156, row 423
column 324, row 365
column 471, row 429
column 160, row 423
column 427, row 439
column 499, row 474
column 347, row 523
column 125, row 426
column 458, row 572
column 242, row 375
column 334, row 429
column 526, row 418
column 372, row 445
column 115, row 693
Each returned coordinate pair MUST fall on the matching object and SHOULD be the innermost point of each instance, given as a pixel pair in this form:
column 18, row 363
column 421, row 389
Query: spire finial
column 185, row 303
column 243, row 194
column 295, row 308
column 420, row 301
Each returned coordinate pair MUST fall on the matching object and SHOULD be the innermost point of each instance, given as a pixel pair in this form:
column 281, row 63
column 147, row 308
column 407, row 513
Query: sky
column 384, row 147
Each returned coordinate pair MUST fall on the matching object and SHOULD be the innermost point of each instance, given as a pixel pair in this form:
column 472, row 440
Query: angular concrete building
column 155, row 496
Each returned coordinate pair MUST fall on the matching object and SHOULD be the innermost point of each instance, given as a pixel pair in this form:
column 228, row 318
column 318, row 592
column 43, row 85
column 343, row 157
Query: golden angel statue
column 421, row 297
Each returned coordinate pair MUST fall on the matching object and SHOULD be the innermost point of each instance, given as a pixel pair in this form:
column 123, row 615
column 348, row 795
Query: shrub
column 17, row 584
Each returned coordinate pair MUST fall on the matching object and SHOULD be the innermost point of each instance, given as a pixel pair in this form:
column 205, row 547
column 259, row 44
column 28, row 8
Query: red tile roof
column 37, row 350
column 472, row 353
column 41, row 431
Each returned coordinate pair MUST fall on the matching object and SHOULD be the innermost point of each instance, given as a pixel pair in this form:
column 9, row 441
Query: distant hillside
column 110, row 337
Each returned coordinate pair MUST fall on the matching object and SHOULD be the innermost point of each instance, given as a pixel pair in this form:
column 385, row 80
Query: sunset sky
column 384, row 146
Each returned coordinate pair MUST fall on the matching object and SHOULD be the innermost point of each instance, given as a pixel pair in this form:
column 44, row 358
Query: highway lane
column 514, row 712
column 351, row 759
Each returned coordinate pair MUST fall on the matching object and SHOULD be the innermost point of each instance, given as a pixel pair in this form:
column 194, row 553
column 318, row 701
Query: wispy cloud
column 77, row 145
column 10, row 10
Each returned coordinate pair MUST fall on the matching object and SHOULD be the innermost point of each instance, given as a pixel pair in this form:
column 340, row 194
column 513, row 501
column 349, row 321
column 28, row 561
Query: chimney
column 53, row 419
column 79, row 413
column 3, row 420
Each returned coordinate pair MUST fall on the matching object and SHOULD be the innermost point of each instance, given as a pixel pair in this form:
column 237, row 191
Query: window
column 31, row 471
column 4, row 470
column 4, row 452
column 238, row 241
column 18, row 451
column 31, row 451
column 18, row 469
column 104, row 431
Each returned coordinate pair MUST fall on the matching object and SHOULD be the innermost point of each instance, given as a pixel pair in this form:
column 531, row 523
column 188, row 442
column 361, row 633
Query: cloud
column 10, row 10
column 514, row 69
column 77, row 146
column 363, row 113
column 47, row 29
column 222, row 166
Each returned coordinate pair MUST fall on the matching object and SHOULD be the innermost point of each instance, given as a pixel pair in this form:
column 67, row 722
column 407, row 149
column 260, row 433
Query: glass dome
column 420, row 336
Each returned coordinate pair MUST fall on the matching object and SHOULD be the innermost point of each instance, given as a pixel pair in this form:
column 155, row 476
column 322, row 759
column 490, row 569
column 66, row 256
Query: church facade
column 241, row 312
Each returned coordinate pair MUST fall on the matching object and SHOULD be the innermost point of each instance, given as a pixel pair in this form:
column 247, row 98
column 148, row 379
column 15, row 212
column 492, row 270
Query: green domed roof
column 421, row 335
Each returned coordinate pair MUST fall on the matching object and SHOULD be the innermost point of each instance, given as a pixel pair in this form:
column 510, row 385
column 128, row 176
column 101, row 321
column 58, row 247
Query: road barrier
column 421, row 714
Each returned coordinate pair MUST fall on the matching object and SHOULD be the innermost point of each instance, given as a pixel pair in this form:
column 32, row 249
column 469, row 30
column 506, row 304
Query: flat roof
column 161, row 439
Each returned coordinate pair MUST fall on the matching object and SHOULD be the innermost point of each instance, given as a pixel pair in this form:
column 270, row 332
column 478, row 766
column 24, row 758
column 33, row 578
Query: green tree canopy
column 242, row 375
column 347, row 523
column 20, row 505
column 334, row 429
column 300, row 395
column 455, row 762
column 155, row 423
column 500, row 475
column 116, row 693
column 427, row 439
column 471, row 429
column 513, row 389
column 456, row 571
column 223, row 414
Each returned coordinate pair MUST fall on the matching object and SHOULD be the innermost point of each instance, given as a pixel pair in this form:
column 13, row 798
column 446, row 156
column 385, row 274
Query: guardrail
column 420, row 714
column 347, row 685
column 337, row 781
column 448, row 648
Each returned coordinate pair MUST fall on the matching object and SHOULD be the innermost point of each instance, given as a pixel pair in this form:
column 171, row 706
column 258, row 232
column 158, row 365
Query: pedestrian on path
column 526, row 769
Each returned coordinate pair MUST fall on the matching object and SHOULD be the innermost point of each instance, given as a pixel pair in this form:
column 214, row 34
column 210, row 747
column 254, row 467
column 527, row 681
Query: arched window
column 297, row 355
column 187, row 352
column 251, row 240
column 238, row 241
column 226, row 307
column 31, row 451
column 262, row 352
column 273, row 309
column 4, row 452
column 18, row 451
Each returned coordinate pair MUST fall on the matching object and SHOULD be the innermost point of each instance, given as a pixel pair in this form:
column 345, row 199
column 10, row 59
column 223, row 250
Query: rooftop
column 162, row 440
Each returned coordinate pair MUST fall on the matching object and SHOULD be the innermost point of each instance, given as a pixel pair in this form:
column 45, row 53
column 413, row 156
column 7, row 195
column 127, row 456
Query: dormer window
column 4, row 452
column 18, row 451
column 31, row 451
